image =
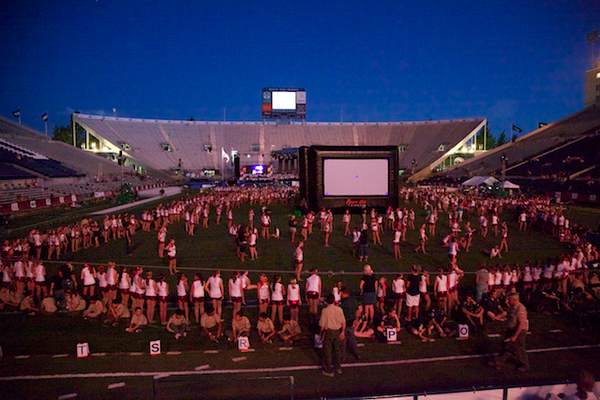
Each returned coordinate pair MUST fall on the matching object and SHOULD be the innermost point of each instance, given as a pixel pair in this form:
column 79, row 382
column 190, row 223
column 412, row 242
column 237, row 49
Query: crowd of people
column 423, row 304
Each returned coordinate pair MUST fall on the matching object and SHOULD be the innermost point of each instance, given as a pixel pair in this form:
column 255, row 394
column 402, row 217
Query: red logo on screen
column 356, row 203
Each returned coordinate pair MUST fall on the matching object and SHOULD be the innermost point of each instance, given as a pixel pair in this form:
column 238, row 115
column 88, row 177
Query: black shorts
column 277, row 302
column 197, row 299
column 162, row 299
column 236, row 299
column 312, row 295
column 150, row 297
column 182, row 299
column 263, row 301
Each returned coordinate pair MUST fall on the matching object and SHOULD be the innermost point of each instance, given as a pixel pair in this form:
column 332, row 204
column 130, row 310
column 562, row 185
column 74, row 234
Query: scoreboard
column 283, row 103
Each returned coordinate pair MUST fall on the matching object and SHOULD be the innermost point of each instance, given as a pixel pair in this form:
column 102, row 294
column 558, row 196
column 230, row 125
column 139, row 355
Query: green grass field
column 412, row 367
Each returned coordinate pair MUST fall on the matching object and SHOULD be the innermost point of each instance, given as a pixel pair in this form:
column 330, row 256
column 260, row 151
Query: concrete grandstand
column 197, row 146
column 561, row 156
column 36, row 171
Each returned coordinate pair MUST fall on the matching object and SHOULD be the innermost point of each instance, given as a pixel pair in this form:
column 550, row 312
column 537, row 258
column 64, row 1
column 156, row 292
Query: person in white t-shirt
column 214, row 287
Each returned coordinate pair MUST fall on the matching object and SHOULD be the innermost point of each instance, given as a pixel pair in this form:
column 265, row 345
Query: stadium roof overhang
column 466, row 145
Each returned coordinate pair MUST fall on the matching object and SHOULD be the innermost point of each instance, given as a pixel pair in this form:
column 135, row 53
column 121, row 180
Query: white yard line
column 163, row 374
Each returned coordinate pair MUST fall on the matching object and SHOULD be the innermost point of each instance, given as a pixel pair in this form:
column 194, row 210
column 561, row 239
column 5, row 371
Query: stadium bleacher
column 564, row 131
column 566, row 160
column 27, row 139
column 198, row 144
column 10, row 172
column 45, row 167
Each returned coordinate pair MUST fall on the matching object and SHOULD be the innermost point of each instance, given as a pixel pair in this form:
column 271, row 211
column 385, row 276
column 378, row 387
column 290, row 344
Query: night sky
column 514, row 62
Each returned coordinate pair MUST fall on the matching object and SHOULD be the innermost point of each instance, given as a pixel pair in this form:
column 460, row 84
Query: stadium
column 51, row 185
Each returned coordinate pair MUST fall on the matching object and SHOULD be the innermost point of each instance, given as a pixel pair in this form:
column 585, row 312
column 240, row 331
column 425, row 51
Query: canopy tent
column 479, row 180
column 510, row 185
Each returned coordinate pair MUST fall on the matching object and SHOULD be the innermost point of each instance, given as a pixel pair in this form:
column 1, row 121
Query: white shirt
column 442, row 283
column 398, row 285
column 214, row 287
column 87, row 276
column 149, row 287
column 162, row 289
column 124, row 281
column 235, row 287
column 294, row 292
column 312, row 283
column 102, row 280
column 277, row 292
column 263, row 291
column 181, row 289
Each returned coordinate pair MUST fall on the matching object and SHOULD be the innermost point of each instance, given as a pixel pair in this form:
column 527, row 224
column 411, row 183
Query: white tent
column 479, row 180
column 510, row 185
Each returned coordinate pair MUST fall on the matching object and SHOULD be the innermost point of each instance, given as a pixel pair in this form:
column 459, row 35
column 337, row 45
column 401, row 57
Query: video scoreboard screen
column 283, row 103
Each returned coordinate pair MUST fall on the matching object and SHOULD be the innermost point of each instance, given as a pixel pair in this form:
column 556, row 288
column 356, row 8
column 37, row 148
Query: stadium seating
column 570, row 128
column 571, row 158
column 84, row 162
column 198, row 144
column 46, row 167
column 10, row 172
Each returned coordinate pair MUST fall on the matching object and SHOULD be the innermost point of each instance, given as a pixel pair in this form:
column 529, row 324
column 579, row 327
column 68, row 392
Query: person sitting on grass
column 177, row 324
column 495, row 252
column 27, row 305
column 117, row 313
column 493, row 308
column 94, row 309
column 138, row 320
column 473, row 311
column 48, row 306
column 240, row 326
column 389, row 321
column 75, row 303
column 211, row 324
column 8, row 299
column 417, row 327
column 266, row 328
column 360, row 324
column 436, row 319
column 290, row 330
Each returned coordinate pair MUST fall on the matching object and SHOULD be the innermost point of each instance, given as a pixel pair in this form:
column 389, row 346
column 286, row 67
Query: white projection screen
column 283, row 101
column 355, row 177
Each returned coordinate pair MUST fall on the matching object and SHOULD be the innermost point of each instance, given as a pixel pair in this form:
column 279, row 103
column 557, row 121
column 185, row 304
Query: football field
column 40, row 358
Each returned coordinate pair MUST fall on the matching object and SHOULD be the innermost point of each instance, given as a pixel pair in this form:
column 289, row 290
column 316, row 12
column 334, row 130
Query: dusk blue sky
column 513, row 62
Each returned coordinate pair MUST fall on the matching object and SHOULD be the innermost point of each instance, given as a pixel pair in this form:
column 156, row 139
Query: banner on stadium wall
column 577, row 197
column 34, row 204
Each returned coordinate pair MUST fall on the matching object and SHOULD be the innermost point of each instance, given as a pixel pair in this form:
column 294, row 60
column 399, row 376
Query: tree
column 501, row 139
column 490, row 140
column 65, row 134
